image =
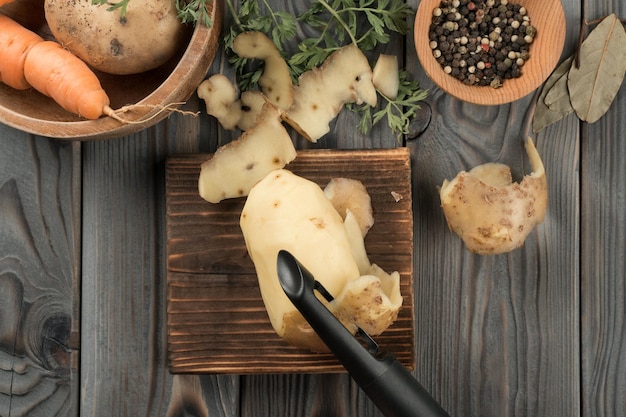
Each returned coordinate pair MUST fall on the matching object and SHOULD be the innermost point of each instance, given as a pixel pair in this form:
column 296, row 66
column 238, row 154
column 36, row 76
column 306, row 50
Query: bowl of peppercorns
column 489, row 52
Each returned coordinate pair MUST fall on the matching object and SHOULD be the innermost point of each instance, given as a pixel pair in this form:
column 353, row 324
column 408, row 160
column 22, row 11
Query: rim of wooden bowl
column 177, row 87
column 545, row 52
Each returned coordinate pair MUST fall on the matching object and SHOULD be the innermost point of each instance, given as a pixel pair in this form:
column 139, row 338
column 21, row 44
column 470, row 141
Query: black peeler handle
column 385, row 381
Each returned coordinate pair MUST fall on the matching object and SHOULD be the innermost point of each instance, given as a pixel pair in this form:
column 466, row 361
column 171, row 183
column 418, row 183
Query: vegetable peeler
column 379, row 374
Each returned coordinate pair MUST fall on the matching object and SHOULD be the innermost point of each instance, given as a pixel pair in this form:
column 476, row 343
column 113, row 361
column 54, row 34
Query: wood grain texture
column 124, row 365
column 603, row 245
column 494, row 347
column 217, row 321
column 538, row 332
column 39, row 276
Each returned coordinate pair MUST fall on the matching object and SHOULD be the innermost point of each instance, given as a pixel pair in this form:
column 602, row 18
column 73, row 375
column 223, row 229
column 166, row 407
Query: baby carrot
column 59, row 74
column 15, row 43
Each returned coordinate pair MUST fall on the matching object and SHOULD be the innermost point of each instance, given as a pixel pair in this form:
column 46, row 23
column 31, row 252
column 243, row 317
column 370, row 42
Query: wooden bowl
column 545, row 51
column 173, row 82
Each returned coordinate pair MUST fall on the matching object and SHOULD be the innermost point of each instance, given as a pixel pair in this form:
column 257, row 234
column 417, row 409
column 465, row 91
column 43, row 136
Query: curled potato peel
column 490, row 213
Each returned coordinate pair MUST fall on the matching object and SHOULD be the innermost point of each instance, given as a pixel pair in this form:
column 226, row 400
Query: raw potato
column 347, row 194
column 220, row 97
column 251, row 103
column 221, row 100
column 237, row 166
column 148, row 36
column 345, row 77
column 489, row 212
column 357, row 242
column 285, row 211
column 275, row 81
column 386, row 77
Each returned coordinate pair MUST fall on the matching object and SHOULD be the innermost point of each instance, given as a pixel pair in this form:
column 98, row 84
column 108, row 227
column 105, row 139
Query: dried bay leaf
column 553, row 103
column 557, row 98
column 595, row 83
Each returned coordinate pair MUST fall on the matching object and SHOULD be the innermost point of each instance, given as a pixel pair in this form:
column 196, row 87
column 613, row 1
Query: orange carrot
column 26, row 60
column 3, row 2
column 59, row 74
column 15, row 43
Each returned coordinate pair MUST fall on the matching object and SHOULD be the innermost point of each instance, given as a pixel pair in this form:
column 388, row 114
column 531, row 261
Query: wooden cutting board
column 216, row 319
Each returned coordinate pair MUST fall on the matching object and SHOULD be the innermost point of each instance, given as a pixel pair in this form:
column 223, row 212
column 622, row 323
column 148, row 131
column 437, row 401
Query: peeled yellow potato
column 492, row 214
column 287, row 212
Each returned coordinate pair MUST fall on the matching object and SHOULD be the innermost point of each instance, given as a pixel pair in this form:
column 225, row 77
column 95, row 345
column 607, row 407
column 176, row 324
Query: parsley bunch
column 365, row 23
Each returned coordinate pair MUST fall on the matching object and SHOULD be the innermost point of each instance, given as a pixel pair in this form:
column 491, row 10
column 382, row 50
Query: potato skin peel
column 237, row 166
column 491, row 214
column 347, row 194
column 344, row 77
column 275, row 81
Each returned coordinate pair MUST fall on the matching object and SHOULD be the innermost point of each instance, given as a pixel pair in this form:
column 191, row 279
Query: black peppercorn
column 481, row 42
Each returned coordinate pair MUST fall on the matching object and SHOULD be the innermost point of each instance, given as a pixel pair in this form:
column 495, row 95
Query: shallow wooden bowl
column 173, row 82
column 549, row 19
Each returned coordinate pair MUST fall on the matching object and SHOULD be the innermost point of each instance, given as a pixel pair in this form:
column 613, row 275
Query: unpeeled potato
column 490, row 212
column 146, row 37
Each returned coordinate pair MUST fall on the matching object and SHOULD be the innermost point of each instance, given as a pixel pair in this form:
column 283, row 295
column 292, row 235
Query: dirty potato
column 147, row 36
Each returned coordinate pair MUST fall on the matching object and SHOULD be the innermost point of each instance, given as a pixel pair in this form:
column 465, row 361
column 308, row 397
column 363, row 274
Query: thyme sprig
column 335, row 23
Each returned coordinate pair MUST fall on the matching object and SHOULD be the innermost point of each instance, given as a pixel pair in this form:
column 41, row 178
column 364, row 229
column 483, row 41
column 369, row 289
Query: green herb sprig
column 121, row 5
column 280, row 26
column 367, row 24
column 195, row 11
column 398, row 111
column 192, row 11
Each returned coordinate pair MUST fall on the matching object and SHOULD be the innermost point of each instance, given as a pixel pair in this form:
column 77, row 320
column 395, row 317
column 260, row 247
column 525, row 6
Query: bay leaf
column 555, row 88
column 594, row 84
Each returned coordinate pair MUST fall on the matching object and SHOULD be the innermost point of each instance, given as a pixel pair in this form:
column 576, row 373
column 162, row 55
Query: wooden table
column 537, row 332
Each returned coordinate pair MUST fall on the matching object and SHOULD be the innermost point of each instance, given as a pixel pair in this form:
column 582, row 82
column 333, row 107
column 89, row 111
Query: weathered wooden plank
column 124, row 365
column 39, row 275
column 490, row 329
column 603, row 245
column 217, row 322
